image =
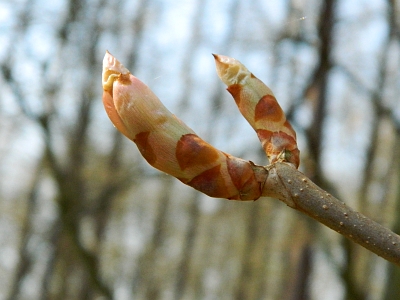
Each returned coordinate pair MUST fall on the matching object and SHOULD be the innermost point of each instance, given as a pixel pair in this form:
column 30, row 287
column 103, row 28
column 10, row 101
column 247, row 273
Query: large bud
column 170, row 145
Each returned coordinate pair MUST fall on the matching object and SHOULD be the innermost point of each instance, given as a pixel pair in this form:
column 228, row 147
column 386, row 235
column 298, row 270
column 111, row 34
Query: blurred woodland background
column 82, row 215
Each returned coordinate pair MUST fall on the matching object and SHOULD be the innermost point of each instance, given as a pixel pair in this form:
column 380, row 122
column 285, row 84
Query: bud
column 258, row 105
column 170, row 145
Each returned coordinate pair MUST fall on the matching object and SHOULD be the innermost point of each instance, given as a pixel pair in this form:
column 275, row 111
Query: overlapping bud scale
column 170, row 145
column 258, row 105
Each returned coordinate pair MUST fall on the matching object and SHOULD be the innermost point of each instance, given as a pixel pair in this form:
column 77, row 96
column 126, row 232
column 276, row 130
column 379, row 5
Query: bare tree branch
column 300, row 193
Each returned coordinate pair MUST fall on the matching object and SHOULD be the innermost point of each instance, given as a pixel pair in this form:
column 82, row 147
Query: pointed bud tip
column 225, row 59
column 230, row 70
column 111, row 63
column 111, row 69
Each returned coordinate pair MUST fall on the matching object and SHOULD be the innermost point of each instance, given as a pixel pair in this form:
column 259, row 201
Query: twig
column 299, row 192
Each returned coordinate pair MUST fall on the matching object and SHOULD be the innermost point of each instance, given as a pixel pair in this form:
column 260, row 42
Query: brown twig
column 299, row 192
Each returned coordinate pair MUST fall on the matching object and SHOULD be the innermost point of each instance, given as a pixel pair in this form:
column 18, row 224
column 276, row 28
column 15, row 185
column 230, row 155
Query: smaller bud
column 258, row 105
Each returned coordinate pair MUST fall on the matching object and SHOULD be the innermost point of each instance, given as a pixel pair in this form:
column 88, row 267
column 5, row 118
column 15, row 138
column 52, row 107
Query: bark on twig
column 299, row 192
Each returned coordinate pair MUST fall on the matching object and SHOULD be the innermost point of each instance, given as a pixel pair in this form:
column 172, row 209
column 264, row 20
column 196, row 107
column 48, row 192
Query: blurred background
column 83, row 216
